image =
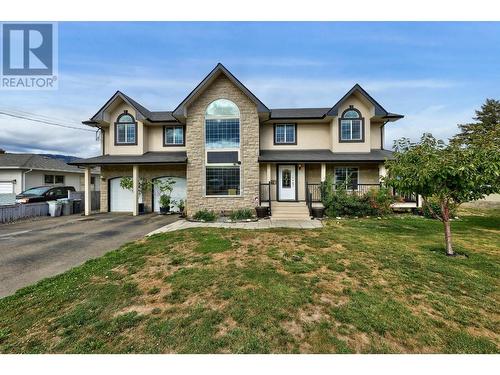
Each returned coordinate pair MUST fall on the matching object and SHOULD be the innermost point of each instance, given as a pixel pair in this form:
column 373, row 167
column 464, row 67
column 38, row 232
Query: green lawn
column 355, row 286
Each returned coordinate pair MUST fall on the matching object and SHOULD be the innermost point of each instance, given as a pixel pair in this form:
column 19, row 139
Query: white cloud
column 440, row 120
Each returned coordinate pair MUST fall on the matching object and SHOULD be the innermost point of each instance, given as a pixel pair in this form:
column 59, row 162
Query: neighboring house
column 19, row 172
column 226, row 149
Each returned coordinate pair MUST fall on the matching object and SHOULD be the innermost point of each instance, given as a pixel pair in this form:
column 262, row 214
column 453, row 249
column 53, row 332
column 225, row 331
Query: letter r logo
column 27, row 49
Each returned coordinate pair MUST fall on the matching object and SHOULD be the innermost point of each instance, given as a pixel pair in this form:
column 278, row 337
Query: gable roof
column 219, row 69
column 379, row 110
column 271, row 114
column 158, row 116
column 34, row 161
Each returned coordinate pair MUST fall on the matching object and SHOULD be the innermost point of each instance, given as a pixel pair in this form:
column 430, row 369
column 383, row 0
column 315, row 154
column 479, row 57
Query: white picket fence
column 21, row 211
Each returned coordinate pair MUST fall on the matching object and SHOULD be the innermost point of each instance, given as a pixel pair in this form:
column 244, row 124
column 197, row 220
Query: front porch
column 298, row 185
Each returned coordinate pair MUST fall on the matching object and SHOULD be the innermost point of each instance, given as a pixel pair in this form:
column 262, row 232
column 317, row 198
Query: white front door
column 178, row 193
column 120, row 199
column 286, row 182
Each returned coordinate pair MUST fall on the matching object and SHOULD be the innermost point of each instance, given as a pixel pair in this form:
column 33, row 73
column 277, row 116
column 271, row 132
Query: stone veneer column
column 222, row 88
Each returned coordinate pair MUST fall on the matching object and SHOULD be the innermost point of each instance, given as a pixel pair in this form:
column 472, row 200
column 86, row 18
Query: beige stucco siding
column 111, row 148
column 367, row 111
column 376, row 135
column 368, row 173
column 146, row 171
column 222, row 88
column 309, row 136
column 154, row 135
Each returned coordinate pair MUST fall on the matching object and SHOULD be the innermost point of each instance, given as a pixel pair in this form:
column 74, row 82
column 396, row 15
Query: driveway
column 31, row 251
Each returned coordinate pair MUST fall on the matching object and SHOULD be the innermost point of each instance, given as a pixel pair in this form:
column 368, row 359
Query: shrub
column 436, row 207
column 340, row 202
column 205, row 215
column 380, row 201
column 242, row 214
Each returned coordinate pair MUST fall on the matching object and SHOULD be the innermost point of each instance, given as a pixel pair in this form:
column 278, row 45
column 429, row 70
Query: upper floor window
column 351, row 127
column 125, row 130
column 222, row 125
column 285, row 134
column 173, row 135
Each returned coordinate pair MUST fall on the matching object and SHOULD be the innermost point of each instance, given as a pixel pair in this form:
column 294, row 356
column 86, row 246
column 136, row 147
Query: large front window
column 222, row 125
column 351, row 126
column 223, row 180
column 347, row 177
column 222, row 144
column 126, row 129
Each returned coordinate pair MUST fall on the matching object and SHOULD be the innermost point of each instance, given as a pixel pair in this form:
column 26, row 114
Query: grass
column 355, row 286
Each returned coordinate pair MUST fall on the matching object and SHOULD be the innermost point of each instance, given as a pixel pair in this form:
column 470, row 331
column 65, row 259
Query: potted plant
column 262, row 211
column 182, row 206
column 318, row 212
column 164, row 204
column 143, row 186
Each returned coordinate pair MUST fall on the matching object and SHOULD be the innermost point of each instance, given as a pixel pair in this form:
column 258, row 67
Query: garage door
column 6, row 187
column 120, row 200
column 178, row 193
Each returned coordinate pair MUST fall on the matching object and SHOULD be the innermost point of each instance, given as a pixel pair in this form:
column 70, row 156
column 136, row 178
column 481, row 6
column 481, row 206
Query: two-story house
column 227, row 150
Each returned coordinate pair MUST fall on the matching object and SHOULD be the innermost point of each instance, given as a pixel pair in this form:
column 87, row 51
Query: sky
column 435, row 74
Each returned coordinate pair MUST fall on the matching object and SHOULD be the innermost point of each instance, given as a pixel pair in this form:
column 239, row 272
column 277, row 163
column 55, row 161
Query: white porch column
column 268, row 172
column 382, row 172
column 323, row 172
column 135, row 189
column 88, row 192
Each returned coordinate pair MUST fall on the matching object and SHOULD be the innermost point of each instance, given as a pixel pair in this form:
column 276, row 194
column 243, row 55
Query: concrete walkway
column 261, row 224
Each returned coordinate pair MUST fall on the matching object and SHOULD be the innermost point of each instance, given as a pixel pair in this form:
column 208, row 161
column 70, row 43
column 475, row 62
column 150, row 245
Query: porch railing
column 265, row 195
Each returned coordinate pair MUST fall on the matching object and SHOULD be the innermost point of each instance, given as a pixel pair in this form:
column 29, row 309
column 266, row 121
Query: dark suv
column 43, row 194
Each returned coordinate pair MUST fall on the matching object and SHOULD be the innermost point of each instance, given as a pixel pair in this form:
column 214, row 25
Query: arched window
column 351, row 126
column 222, row 143
column 125, row 130
column 222, row 125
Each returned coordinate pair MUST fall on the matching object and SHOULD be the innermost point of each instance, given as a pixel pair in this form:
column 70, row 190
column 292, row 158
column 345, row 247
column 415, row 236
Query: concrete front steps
column 289, row 211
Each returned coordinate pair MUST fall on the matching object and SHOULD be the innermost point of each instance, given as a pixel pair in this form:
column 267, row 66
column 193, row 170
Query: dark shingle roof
column 298, row 113
column 153, row 116
column 33, row 161
column 323, row 156
column 220, row 69
column 168, row 157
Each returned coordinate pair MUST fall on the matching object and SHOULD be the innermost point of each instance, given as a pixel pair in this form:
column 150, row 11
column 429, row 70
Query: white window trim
column 174, row 127
column 286, row 141
column 126, row 142
column 350, row 129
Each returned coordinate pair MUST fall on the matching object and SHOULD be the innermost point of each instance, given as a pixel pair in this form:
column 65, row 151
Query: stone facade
column 222, row 88
column 148, row 171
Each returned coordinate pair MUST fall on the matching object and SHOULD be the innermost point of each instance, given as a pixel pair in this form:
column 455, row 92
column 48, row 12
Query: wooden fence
column 21, row 211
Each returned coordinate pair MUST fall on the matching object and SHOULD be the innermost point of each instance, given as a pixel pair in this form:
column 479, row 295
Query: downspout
column 382, row 135
column 23, row 183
